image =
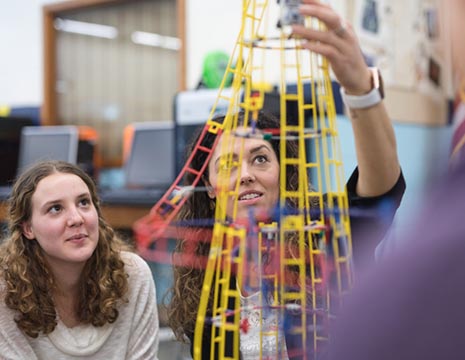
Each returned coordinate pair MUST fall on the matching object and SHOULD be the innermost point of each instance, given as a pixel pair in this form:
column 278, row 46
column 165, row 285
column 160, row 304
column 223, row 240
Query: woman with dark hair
column 68, row 286
column 377, row 179
column 259, row 188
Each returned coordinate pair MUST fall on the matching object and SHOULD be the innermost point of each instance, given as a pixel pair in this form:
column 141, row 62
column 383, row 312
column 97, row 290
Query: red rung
column 154, row 224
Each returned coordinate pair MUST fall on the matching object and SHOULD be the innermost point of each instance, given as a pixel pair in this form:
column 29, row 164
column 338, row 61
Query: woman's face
column 259, row 176
column 64, row 221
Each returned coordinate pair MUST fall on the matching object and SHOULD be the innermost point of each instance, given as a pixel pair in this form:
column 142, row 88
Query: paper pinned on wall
column 407, row 41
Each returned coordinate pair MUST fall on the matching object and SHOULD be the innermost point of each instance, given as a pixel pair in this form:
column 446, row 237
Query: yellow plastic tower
column 298, row 267
column 321, row 256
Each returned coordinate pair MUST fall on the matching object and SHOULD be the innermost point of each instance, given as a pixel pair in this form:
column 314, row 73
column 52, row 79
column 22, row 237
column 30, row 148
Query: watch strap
column 372, row 98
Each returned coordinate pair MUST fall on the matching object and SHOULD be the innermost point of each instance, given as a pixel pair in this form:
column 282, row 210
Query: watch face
column 378, row 81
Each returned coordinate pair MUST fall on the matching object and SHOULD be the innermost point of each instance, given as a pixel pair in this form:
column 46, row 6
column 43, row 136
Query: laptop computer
column 149, row 165
column 40, row 143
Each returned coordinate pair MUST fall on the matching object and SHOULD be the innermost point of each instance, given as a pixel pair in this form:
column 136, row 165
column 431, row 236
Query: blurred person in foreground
column 411, row 306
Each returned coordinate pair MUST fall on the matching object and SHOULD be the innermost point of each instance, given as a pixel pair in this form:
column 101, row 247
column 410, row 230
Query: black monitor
column 150, row 161
column 191, row 112
column 292, row 106
column 184, row 136
column 10, row 137
column 40, row 143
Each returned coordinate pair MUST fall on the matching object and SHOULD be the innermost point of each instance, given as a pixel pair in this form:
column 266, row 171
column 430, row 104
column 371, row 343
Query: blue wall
column 423, row 154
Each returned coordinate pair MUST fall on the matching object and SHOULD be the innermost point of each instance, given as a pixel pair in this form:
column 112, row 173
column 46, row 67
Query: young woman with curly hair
column 376, row 180
column 68, row 285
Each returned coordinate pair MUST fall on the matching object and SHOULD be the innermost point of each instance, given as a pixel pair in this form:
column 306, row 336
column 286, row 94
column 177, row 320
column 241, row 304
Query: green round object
column 215, row 64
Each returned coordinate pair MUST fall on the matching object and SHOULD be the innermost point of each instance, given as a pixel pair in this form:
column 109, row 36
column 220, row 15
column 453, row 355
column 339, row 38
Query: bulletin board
column 406, row 40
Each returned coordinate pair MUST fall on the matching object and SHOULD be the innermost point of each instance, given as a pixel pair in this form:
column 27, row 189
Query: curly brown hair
column 28, row 279
column 187, row 286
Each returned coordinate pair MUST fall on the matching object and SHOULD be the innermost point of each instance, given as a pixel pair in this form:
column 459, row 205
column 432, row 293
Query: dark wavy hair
column 28, row 279
column 187, row 287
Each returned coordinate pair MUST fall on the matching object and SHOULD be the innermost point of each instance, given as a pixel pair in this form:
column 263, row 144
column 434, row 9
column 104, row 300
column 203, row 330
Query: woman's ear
column 27, row 230
column 210, row 190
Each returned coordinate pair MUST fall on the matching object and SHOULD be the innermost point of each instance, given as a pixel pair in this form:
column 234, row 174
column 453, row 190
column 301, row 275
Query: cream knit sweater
column 134, row 335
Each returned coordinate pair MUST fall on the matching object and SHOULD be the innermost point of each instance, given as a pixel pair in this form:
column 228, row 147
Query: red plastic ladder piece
column 154, row 225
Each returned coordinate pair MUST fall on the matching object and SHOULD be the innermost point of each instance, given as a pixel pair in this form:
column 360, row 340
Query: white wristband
column 374, row 97
column 361, row 102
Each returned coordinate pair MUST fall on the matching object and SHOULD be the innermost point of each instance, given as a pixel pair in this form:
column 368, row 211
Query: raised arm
column 374, row 136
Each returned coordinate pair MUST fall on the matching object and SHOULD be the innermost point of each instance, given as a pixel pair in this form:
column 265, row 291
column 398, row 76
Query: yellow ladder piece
column 315, row 135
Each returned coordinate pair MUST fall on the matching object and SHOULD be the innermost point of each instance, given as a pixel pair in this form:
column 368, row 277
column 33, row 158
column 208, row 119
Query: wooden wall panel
column 109, row 83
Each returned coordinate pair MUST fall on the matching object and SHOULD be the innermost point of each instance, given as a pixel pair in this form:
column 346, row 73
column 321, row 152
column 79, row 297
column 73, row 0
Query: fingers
column 327, row 51
column 327, row 37
column 340, row 34
column 323, row 12
column 339, row 44
column 333, row 22
column 316, row 2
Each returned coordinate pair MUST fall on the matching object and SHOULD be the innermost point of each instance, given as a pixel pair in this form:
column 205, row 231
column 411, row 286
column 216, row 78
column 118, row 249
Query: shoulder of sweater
column 141, row 282
column 134, row 264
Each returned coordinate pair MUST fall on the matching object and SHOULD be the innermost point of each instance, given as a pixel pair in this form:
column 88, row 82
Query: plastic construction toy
column 299, row 265
column 290, row 13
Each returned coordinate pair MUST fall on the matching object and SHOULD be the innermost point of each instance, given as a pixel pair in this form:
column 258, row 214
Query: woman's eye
column 261, row 159
column 54, row 209
column 227, row 164
column 84, row 202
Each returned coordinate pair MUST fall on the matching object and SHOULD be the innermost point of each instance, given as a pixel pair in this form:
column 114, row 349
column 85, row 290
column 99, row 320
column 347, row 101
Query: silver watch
column 375, row 96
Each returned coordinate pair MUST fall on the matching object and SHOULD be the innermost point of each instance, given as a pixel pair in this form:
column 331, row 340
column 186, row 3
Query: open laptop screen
column 151, row 161
column 40, row 143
